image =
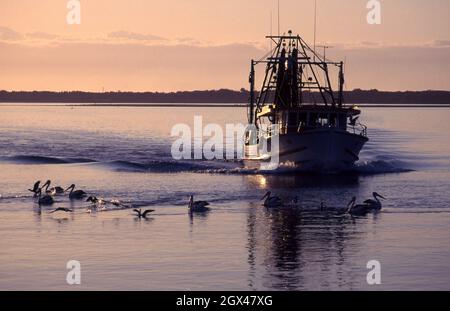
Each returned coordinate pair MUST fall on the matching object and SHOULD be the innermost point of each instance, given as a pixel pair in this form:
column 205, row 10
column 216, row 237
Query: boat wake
column 237, row 167
column 382, row 154
column 381, row 167
column 366, row 167
column 36, row 159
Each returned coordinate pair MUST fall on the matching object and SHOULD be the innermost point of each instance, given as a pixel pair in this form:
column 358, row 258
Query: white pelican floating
column 115, row 202
column 358, row 209
column 95, row 200
column 53, row 190
column 118, row 203
column 76, row 194
column 375, row 204
column 44, row 200
column 197, row 206
column 368, row 205
column 271, row 201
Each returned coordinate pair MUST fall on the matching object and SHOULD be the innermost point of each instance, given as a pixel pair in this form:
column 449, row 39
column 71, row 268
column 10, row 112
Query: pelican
column 375, row 204
column 197, row 206
column 44, row 200
column 358, row 209
column 53, row 190
column 144, row 214
column 35, row 188
column 271, row 201
column 62, row 209
column 95, row 200
column 366, row 207
column 117, row 203
column 75, row 194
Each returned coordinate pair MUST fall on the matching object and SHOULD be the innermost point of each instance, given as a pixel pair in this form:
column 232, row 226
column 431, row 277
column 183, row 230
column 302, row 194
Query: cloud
column 133, row 61
column 369, row 43
column 188, row 40
column 127, row 66
column 41, row 35
column 8, row 34
column 122, row 34
column 441, row 43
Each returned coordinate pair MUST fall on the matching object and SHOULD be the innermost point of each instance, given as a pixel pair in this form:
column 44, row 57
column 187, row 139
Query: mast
column 341, row 83
column 251, row 111
column 292, row 68
column 278, row 17
column 315, row 27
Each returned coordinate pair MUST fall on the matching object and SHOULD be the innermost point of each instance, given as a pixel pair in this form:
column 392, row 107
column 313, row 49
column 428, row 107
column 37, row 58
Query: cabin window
column 302, row 120
column 281, row 122
column 313, row 119
column 323, row 119
column 333, row 119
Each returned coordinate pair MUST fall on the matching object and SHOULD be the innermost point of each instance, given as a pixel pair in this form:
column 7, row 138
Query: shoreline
column 217, row 97
column 195, row 105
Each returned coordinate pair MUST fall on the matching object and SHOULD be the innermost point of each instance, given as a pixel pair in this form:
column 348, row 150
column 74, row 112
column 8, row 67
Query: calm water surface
column 124, row 153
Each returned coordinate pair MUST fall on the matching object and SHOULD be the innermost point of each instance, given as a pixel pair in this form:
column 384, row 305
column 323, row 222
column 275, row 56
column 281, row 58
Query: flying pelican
column 35, row 188
column 62, row 209
column 144, row 214
column 375, row 204
column 197, row 206
column 75, row 194
column 271, row 201
column 53, row 190
column 44, row 200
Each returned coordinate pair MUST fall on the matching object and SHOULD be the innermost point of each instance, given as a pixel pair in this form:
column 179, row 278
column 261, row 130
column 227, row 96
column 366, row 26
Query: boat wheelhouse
column 315, row 130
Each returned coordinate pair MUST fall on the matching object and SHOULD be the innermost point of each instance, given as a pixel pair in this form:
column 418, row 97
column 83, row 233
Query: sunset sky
column 170, row 45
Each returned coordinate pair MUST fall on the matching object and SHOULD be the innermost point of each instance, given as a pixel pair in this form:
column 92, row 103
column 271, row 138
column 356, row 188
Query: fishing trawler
column 315, row 130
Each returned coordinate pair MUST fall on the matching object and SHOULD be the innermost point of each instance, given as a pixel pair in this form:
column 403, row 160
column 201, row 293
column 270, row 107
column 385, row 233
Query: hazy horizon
column 169, row 46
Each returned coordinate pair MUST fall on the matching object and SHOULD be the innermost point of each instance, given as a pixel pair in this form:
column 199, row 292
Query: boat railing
column 358, row 128
column 266, row 133
column 259, row 133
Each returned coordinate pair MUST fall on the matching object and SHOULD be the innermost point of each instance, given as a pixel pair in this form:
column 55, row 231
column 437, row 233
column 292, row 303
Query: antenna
column 325, row 47
column 315, row 27
column 278, row 17
column 271, row 33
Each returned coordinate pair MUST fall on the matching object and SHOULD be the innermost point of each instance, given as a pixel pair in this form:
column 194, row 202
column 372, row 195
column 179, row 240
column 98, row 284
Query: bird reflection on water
column 295, row 243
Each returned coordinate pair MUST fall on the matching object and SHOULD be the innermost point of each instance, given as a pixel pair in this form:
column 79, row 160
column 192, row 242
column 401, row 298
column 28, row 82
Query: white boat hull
column 319, row 150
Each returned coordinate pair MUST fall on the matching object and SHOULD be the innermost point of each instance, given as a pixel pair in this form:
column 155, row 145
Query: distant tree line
column 221, row 96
